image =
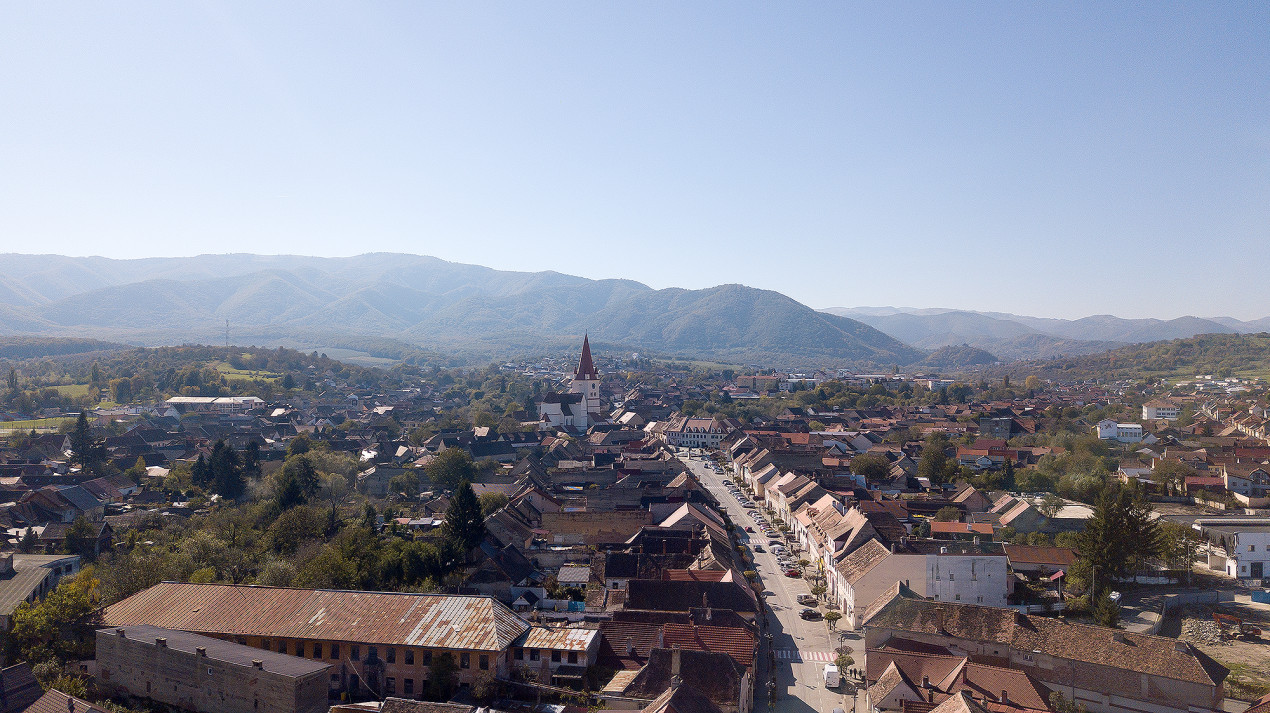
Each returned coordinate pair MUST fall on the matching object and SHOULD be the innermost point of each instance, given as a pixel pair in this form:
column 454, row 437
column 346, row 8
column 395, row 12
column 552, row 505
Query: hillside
column 420, row 301
column 956, row 357
column 1235, row 354
column 1013, row 336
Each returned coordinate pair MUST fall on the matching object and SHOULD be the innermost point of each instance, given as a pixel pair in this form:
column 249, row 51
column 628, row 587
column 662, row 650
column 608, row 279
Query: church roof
column 586, row 369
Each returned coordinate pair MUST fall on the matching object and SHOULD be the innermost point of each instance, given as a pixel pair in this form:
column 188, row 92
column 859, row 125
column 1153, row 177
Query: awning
column 1057, row 575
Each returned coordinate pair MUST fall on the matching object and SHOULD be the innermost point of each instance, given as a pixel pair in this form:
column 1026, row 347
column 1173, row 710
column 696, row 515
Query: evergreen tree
column 137, row 471
column 1118, row 538
column 370, row 518
column 13, row 380
column 251, row 459
column 464, row 524
column 1007, row 481
column 86, row 451
column 226, row 471
column 81, row 539
column 200, row 472
column 934, row 463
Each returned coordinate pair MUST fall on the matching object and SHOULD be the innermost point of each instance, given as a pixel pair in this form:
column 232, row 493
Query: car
column 759, row 548
column 793, row 573
column 809, row 615
column 807, row 600
column 749, row 529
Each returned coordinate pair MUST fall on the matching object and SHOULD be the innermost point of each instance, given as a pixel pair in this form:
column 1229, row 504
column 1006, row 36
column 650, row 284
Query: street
column 801, row 648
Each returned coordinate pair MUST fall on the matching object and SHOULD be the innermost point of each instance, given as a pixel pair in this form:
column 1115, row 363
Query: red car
column 793, row 573
column 749, row 529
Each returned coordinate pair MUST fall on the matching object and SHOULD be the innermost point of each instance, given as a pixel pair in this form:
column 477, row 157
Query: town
column 242, row 530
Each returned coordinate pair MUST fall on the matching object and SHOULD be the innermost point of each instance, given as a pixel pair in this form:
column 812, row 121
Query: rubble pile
column 1202, row 631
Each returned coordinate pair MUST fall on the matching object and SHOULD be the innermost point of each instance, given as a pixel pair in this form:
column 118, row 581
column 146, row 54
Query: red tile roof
column 737, row 643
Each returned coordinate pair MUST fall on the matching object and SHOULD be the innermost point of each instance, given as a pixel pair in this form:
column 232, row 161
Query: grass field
column 245, row 374
column 74, row 390
column 40, row 424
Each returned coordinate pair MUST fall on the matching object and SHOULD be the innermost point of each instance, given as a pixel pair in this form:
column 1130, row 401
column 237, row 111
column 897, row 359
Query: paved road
column 801, row 647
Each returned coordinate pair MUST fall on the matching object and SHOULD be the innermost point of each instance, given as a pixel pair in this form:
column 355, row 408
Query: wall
column 594, row 527
column 195, row 682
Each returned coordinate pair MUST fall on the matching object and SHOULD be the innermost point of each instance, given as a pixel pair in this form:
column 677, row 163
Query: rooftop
column 219, row 649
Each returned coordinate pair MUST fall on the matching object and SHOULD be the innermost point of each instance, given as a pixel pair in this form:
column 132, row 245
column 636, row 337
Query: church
column 579, row 407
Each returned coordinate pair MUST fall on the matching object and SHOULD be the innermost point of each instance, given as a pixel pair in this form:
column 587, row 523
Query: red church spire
column 586, row 369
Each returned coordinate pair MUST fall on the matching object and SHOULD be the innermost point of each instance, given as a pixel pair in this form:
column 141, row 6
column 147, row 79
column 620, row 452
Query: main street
column 801, row 648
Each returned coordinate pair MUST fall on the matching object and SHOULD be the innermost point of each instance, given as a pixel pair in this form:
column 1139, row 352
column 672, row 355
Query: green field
column 74, row 390
column 40, row 424
column 245, row 374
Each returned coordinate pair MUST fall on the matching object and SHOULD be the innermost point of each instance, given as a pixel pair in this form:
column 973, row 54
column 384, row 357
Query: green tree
column 59, row 628
column 137, row 471
column 1007, row 479
column 935, row 464
column 297, row 480
column 492, row 502
column 451, row 467
column 288, row 382
column 81, row 539
column 1051, row 505
column 832, row 617
column 1171, row 475
column 441, row 678
column 948, row 513
column 13, row 380
column 871, row 466
column 88, row 452
column 1118, row 537
column 406, row 483
column 464, row 525
column 299, row 445
column 225, row 471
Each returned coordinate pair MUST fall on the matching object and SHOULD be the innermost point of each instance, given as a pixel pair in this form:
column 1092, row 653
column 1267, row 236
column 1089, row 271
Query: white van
column 832, row 677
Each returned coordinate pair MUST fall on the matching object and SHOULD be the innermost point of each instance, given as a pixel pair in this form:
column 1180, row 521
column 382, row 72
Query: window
column 264, row 644
column 957, row 597
column 335, row 651
column 465, row 660
column 299, row 648
column 519, row 654
column 427, row 657
column 409, row 688
column 282, row 647
column 390, row 685
column 484, row 662
column 372, row 652
column 533, row 654
column 573, row 657
column 390, row 655
column 555, row 657
column 410, row 658
column 354, row 652
column 317, row 650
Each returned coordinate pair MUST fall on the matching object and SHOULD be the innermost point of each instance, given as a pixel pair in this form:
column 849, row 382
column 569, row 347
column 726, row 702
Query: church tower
column 586, row 381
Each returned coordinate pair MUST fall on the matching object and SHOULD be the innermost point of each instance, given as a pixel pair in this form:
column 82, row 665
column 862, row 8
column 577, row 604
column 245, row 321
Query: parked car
column 809, row 614
column 759, row 548
column 793, row 573
column 807, row 600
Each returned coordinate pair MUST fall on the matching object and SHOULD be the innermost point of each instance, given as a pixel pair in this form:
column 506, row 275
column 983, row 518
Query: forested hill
column 1225, row 354
column 421, row 301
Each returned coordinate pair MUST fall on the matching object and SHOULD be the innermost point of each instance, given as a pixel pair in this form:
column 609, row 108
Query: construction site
column 1235, row 633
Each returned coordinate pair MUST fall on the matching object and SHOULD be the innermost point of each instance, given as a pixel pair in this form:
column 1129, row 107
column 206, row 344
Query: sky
column 1055, row 159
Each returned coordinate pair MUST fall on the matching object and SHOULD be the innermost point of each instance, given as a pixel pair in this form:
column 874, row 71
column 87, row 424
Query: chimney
column 630, row 646
column 200, row 650
column 1005, row 696
column 925, row 681
column 976, row 539
column 70, row 704
column 675, row 678
column 943, row 550
column 121, row 633
column 161, row 642
column 257, row 663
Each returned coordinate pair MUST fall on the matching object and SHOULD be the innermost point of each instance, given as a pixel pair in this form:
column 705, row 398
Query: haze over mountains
column 1012, row 336
column 468, row 309
column 420, row 301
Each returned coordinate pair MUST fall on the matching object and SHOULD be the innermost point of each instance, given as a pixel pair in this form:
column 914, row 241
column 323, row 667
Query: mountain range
column 417, row 300
column 395, row 303
column 1012, row 337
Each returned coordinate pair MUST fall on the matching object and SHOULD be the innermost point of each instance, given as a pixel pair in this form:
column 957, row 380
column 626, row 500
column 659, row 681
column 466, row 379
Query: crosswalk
column 796, row 656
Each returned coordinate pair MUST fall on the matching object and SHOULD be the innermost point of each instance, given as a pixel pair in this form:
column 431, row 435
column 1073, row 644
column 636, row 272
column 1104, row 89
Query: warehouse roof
column 432, row 620
column 218, row 649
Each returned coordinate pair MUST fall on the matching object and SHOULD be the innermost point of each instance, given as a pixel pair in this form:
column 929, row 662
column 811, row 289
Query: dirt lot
column 1248, row 660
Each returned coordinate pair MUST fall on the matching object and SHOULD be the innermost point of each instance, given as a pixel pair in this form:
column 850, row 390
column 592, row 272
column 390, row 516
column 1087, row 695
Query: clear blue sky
column 1055, row 159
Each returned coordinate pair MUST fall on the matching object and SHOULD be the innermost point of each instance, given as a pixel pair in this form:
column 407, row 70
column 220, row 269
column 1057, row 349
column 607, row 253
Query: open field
column 245, row 374
column 39, row 424
column 74, row 390
column 356, row 358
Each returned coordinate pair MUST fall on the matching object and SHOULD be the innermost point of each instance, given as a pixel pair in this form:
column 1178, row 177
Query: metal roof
column 557, row 638
column 390, row 618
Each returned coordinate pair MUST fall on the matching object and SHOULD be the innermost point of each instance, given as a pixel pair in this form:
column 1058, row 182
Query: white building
column 941, row 571
column 581, row 406
column 685, row 432
column 1240, row 546
column 1109, row 430
column 1159, row 409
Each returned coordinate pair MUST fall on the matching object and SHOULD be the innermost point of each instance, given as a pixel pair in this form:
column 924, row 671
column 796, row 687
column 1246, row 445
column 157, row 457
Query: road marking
column 796, row 656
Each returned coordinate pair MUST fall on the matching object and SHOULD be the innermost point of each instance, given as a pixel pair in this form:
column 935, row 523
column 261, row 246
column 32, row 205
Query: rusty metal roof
column 557, row 638
column 433, row 620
